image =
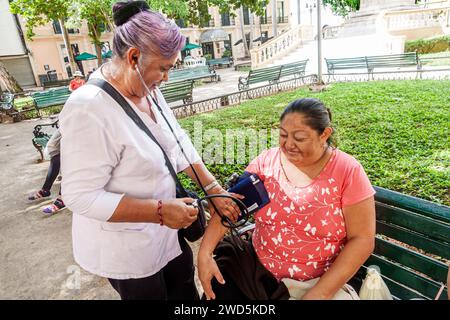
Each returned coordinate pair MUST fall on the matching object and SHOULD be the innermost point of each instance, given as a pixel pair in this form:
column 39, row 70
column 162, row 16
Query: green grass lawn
column 398, row 130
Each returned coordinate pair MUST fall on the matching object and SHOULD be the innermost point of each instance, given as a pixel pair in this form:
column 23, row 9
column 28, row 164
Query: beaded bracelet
column 160, row 212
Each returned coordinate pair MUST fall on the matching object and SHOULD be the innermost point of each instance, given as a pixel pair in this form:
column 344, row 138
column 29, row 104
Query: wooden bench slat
column 414, row 239
column 424, row 207
column 414, row 260
column 427, row 287
column 433, row 229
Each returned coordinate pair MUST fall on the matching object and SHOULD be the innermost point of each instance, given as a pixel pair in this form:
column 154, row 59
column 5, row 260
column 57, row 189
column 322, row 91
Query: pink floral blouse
column 301, row 231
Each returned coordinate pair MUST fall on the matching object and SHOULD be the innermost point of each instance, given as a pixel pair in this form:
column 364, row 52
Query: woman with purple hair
column 116, row 179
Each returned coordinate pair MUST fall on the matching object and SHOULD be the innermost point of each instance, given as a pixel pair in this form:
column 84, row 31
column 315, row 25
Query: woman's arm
column 225, row 206
column 360, row 226
column 207, row 266
column 175, row 213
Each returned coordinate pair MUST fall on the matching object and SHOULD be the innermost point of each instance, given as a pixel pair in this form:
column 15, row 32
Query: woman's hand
column 226, row 206
column 314, row 295
column 177, row 213
column 207, row 269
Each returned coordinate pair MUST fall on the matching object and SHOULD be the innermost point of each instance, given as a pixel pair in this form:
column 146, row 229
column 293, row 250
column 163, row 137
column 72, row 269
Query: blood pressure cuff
column 252, row 188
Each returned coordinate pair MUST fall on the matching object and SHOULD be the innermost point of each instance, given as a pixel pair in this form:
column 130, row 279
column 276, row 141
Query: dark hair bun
column 123, row 11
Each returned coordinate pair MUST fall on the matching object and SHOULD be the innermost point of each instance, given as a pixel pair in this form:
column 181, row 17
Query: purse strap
column 109, row 89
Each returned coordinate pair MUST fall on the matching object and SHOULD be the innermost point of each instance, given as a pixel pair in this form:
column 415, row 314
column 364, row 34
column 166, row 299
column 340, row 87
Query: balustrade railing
column 280, row 45
column 417, row 18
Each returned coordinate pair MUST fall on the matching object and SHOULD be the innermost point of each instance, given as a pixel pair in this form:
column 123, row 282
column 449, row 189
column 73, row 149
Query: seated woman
column 320, row 222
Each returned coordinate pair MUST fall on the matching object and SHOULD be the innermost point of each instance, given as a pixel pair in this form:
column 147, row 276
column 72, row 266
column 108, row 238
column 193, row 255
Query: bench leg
column 39, row 149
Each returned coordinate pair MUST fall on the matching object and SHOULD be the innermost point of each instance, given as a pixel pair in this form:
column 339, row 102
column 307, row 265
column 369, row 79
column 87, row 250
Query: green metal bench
column 271, row 75
column 52, row 97
column 180, row 90
column 7, row 107
column 220, row 62
column 418, row 223
column 296, row 69
column 42, row 136
column 403, row 222
column 56, row 83
column 370, row 63
column 196, row 73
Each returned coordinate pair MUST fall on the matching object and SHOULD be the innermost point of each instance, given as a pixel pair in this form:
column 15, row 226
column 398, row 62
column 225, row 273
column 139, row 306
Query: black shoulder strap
column 109, row 89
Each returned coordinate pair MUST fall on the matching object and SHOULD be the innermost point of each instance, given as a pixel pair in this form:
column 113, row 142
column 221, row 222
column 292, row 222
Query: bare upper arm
column 360, row 219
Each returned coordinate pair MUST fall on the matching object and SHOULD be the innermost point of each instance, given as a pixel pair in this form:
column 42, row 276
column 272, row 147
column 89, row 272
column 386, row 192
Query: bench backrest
column 372, row 62
column 6, row 100
column 56, row 83
column 293, row 68
column 174, row 91
column 393, row 60
column 51, row 97
column 225, row 60
column 192, row 73
column 264, row 74
column 346, row 63
column 418, row 223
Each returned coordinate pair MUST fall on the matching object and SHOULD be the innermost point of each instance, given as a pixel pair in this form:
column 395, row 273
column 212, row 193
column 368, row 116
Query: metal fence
column 236, row 98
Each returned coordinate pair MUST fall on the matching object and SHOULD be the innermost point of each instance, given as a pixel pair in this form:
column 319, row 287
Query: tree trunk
column 8, row 81
column 67, row 44
column 274, row 18
column 95, row 37
column 244, row 38
column 251, row 21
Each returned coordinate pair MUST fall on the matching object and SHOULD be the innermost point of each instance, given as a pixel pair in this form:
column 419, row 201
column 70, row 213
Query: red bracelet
column 160, row 212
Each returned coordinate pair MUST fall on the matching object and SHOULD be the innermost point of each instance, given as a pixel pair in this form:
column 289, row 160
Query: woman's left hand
column 226, row 206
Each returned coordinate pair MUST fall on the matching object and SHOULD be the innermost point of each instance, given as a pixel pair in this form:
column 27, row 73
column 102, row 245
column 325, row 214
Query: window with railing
column 225, row 19
column 263, row 19
column 280, row 10
column 282, row 19
column 246, row 16
column 208, row 24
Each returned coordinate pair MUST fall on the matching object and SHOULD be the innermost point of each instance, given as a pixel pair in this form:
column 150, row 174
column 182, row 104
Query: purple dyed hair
column 148, row 31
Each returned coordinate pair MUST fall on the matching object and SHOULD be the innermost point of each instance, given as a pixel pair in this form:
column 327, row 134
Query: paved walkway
column 36, row 250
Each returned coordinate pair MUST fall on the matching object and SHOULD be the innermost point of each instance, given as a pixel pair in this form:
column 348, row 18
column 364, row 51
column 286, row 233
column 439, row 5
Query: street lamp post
column 319, row 42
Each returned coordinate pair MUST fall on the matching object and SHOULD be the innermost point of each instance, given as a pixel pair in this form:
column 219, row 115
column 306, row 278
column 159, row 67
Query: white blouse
column 104, row 155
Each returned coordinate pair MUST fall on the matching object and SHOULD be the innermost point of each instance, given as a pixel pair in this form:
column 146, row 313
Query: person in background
column 77, row 81
column 53, row 149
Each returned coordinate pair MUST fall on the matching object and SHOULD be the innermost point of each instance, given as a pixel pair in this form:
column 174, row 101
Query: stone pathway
column 36, row 250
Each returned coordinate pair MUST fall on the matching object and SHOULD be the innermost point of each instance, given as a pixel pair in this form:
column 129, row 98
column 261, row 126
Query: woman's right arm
column 176, row 213
column 207, row 266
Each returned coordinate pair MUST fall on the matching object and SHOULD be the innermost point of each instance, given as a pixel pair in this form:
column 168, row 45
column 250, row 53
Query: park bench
column 7, row 108
column 403, row 222
column 220, row 62
column 196, row 73
column 272, row 74
column 52, row 97
column 42, row 135
column 296, row 69
column 180, row 90
column 56, row 83
column 370, row 63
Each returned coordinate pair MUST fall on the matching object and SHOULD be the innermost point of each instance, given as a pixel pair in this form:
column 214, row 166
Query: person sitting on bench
column 317, row 230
